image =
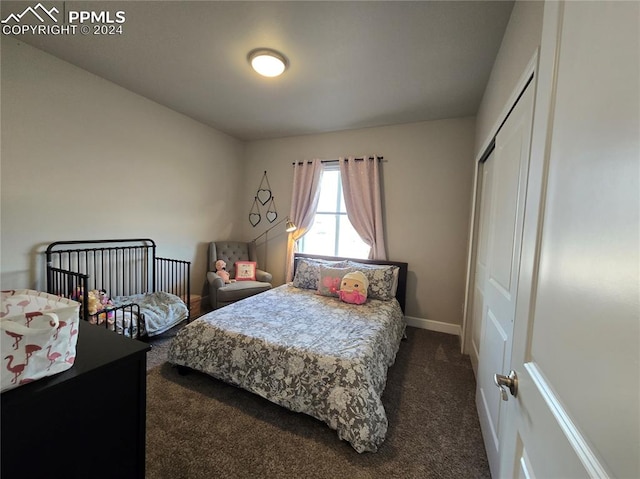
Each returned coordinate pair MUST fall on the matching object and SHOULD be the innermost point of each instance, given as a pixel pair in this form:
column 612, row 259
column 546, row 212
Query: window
column 332, row 233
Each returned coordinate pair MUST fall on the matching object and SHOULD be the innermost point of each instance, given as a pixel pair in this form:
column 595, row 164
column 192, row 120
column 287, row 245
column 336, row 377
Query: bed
column 307, row 351
column 141, row 294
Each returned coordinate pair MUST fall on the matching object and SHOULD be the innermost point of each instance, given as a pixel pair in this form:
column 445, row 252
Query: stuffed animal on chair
column 221, row 270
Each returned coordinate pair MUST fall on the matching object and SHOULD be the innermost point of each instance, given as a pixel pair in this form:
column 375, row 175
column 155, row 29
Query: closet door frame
column 528, row 76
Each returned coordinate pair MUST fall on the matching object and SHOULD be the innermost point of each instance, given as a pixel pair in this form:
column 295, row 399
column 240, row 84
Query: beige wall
column 519, row 43
column 85, row 159
column 427, row 189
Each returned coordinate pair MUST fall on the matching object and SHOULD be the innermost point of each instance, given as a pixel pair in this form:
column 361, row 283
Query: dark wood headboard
column 401, row 292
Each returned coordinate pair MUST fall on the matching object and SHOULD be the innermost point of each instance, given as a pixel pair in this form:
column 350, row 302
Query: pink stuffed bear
column 221, row 270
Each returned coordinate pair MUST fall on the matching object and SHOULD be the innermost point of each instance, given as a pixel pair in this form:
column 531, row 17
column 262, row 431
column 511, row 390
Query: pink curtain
column 304, row 202
column 361, row 188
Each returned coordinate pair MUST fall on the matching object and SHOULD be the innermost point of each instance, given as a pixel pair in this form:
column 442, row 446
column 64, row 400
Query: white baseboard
column 434, row 325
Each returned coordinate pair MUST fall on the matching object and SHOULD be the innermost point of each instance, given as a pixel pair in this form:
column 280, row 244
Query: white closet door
column 506, row 216
column 480, row 280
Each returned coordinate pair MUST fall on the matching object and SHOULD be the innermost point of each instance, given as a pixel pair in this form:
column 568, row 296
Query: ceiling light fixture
column 267, row 62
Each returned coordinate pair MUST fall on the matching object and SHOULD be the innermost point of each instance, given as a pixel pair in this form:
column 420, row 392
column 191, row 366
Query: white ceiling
column 352, row 64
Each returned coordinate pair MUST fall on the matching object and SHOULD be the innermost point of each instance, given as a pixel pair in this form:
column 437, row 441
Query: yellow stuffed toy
column 353, row 288
column 95, row 304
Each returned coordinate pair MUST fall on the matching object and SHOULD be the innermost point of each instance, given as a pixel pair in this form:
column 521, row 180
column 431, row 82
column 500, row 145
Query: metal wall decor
column 264, row 194
column 262, row 197
column 254, row 214
column 272, row 213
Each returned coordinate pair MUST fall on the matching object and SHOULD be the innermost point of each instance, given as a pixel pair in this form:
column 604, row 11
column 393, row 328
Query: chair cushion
column 241, row 289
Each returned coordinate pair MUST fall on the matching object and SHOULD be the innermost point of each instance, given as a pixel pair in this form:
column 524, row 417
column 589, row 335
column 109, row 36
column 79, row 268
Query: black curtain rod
column 379, row 158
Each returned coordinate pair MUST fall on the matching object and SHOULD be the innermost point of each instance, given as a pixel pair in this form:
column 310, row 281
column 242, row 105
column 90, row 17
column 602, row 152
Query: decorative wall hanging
column 272, row 213
column 262, row 197
column 254, row 214
column 264, row 194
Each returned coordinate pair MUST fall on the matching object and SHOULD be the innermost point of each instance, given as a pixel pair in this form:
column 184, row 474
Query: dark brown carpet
column 199, row 427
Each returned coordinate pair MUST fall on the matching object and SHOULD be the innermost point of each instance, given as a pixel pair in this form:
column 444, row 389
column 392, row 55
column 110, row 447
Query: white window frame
column 336, row 213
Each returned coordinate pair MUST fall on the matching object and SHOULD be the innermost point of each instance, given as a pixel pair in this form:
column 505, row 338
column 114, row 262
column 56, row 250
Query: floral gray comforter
column 309, row 353
column 161, row 310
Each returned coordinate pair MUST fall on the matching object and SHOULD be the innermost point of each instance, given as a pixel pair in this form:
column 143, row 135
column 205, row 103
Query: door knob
column 509, row 382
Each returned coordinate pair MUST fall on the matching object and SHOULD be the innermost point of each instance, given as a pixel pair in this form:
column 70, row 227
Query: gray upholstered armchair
column 221, row 294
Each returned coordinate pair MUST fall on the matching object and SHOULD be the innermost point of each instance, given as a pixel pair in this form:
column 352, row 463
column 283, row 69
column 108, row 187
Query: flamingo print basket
column 39, row 332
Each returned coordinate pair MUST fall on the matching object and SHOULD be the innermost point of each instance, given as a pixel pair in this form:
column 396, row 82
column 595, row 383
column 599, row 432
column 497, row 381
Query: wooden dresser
column 88, row 421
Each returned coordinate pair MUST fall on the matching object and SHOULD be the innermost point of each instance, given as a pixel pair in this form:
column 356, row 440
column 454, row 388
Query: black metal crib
column 119, row 267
